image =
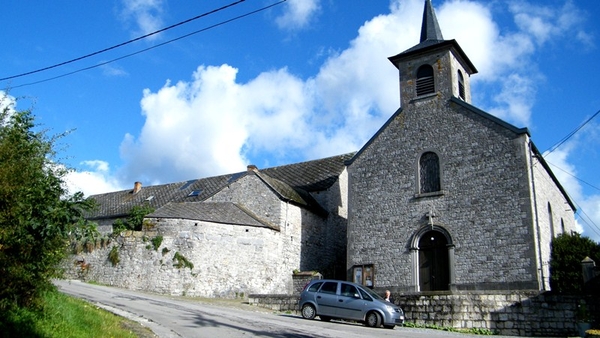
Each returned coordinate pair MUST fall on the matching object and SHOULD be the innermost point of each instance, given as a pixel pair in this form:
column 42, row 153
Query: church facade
column 445, row 196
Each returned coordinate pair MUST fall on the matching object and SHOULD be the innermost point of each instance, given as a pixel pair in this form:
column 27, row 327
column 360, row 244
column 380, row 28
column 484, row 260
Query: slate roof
column 291, row 182
column 215, row 212
column 431, row 39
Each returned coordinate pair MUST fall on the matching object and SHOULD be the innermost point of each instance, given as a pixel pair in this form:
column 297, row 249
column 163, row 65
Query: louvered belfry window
column 461, row 86
column 425, row 84
column 429, row 172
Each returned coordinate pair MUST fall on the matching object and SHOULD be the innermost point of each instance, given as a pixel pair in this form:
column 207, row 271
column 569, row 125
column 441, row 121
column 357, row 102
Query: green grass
column 474, row 330
column 64, row 316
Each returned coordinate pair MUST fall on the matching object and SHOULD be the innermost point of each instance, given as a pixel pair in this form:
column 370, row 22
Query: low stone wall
column 285, row 303
column 281, row 303
column 514, row 314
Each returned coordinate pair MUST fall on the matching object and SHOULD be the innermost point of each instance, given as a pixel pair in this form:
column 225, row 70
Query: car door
column 327, row 299
column 350, row 304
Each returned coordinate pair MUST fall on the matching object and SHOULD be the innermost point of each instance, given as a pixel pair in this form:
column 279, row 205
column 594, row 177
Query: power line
column 124, row 43
column 150, row 48
column 553, row 148
column 591, row 223
column 570, row 174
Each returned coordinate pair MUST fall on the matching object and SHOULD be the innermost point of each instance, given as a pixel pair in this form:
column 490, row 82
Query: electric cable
column 150, row 48
column 575, row 177
column 553, row 148
column 125, row 43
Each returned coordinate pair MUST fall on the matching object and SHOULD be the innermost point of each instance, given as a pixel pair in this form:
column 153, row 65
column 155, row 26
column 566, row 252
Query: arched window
column 551, row 220
column 429, row 173
column 461, row 86
column 425, row 84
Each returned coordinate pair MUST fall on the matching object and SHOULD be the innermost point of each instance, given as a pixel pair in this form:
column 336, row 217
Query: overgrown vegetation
column 134, row 221
column 156, row 242
column 473, row 330
column 568, row 250
column 113, row 255
column 36, row 212
column 181, row 261
column 64, row 317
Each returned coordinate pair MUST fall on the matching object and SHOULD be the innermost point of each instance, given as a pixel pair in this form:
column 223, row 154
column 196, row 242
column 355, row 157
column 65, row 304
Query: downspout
column 537, row 222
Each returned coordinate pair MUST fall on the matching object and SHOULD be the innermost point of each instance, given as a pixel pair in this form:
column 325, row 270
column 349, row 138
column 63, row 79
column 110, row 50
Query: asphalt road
column 187, row 317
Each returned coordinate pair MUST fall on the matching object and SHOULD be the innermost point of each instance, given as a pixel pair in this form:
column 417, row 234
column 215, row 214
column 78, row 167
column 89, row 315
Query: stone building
column 238, row 233
column 445, row 196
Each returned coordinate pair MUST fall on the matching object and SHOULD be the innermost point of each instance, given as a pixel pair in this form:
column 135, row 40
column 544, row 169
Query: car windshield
column 373, row 294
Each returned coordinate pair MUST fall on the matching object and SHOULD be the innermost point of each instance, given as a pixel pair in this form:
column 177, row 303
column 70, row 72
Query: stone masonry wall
column 483, row 204
column 228, row 261
column 553, row 213
column 513, row 314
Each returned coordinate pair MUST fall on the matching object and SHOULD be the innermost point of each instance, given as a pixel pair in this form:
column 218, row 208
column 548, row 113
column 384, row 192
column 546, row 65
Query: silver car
column 330, row 299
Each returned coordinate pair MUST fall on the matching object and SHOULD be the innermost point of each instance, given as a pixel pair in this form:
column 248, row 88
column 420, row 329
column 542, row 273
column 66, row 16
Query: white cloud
column 94, row 181
column 113, row 70
column 544, row 23
column 297, row 14
column 7, row 102
column 214, row 124
column 146, row 15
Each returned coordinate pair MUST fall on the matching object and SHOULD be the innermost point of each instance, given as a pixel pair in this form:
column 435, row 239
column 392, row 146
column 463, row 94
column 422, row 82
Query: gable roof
column 291, row 182
column 214, row 212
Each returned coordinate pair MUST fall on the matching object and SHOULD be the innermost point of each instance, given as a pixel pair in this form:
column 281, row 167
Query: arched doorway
column 434, row 267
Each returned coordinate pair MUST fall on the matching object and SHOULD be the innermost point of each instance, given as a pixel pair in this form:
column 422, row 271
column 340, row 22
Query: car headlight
column 390, row 308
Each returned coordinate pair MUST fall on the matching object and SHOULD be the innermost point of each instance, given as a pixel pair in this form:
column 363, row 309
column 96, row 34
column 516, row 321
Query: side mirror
column 356, row 295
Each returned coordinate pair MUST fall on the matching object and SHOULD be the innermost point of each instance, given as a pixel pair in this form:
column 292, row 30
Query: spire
column 430, row 29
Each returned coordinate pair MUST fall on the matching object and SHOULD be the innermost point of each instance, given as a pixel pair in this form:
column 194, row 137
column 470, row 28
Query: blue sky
column 300, row 80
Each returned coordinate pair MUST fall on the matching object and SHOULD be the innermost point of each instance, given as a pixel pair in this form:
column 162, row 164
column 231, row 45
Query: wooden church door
column 434, row 272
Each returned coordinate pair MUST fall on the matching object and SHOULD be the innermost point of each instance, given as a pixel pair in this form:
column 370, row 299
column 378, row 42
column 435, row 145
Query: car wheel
column 373, row 319
column 308, row 311
column 391, row 327
column 325, row 318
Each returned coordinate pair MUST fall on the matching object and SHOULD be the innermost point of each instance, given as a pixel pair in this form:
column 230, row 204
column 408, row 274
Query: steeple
column 433, row 68
column 430, row 29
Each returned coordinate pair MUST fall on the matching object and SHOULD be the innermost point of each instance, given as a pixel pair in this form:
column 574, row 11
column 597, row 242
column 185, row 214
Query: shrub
column 156, row 242
column 565, row 262
column 134, row 221
column 113, row 256
column 181, row 261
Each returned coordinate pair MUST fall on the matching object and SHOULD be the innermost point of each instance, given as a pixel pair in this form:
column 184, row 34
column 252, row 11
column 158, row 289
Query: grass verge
column 64, row 316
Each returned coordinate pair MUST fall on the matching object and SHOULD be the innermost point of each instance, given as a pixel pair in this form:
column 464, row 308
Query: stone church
column 444, row 197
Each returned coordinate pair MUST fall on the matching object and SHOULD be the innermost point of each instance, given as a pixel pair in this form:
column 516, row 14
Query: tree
column 565, row 262
column 36, row 215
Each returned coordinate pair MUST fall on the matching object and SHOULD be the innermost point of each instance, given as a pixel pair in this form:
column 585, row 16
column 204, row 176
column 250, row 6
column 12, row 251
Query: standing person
column 388, row 296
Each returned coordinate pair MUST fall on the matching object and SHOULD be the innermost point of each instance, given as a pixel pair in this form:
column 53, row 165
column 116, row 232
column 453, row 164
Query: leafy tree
column 36, row 215
column 565, row 262
column 135, row 219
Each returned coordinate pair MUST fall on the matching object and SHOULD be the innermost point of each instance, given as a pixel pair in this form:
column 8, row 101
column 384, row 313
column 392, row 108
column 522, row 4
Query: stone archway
column 434, row 271
column 433, row 259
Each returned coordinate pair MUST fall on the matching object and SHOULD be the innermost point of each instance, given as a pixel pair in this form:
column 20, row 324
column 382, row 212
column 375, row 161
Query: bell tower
column 434, row 68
